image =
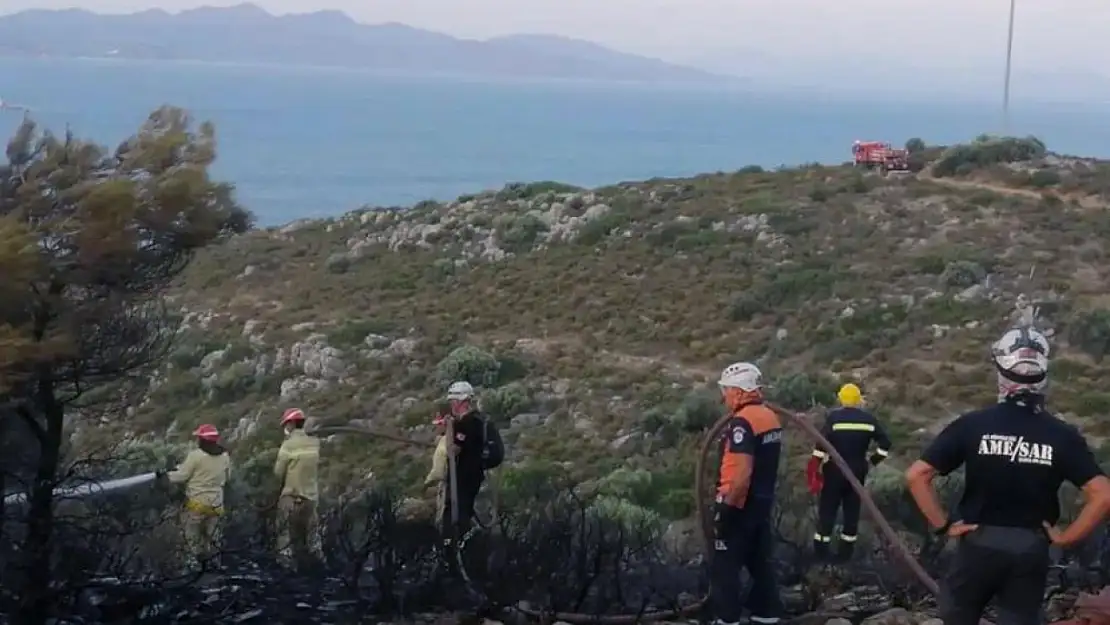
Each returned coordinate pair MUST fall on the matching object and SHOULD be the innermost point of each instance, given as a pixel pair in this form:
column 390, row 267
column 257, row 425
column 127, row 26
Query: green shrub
column 526, row 190
column 698, row 410
column 353, row 332
column 337, row 263
column 1090, row 332
column 530, row 482
column 518, row 233
column 783, row 289
column 888, row 488
column 635, row 485
column 468, row 363
column 136, row 457
column 963, row 274
column 653, row 420
column 504, row 403
column 634, row 520
column 986, row 151
column 801, row 391
column 668, row 491
column 1043, row 178
column 253, row 479
column 596, row 230
column 510, row 369
column 233, row 383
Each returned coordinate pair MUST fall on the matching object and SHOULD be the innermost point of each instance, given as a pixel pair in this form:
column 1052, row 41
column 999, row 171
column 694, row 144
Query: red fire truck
column 879, row 155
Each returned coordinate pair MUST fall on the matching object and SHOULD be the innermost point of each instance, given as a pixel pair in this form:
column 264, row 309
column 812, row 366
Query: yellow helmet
column 849, row 395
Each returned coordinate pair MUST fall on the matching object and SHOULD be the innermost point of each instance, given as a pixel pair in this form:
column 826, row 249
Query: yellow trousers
column 298, row 527
column 201, row 527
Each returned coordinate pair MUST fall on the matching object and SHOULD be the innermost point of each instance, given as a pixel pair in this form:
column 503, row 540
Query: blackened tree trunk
column 38, row 547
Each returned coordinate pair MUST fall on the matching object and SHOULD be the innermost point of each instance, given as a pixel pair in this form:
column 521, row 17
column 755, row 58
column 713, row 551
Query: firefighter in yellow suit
column 204, row 472
column 297, row 468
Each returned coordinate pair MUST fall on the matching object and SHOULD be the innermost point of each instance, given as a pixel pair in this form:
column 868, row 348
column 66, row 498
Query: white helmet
column 742, row 375
column 460, row 391
column 1021, row 357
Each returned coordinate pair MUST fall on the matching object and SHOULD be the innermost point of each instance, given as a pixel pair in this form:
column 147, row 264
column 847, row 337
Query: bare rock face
column 316, row 359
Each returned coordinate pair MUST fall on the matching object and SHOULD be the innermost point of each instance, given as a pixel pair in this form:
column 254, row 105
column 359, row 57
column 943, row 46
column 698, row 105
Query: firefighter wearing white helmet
column 477, row 448
column 743, row 536
column 1016, row 455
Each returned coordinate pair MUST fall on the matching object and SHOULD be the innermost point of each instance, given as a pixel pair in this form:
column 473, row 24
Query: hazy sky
column 1069, row 35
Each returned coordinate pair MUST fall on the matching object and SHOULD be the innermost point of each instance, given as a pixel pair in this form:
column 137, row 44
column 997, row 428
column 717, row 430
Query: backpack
column 493, row 450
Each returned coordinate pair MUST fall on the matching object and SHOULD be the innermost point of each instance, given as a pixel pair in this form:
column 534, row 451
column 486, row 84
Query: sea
column 313, row 142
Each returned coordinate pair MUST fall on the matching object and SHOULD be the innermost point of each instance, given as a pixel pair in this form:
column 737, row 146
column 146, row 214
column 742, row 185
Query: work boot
column 845, row 550
column 821, row 549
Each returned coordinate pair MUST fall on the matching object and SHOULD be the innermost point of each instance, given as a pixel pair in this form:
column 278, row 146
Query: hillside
column 597, row 320
column 245, row 33
column 594, row 322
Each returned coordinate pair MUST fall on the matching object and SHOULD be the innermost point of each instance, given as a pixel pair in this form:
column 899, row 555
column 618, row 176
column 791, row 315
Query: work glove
column 160, row 474
column 876, row 458
column 814, row 479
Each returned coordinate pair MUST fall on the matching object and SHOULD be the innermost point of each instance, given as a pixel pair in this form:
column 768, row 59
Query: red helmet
column 207, row 432
column 292, row 415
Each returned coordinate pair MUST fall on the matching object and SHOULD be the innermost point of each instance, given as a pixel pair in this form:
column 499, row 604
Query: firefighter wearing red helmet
column 296, row 468
column 204, row 473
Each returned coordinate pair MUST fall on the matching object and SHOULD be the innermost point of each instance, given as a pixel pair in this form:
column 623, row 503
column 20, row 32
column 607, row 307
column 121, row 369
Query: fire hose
column 893, row 542
column 1093, row 608
column 702, row 503
column 87, row 489
column 701, row 500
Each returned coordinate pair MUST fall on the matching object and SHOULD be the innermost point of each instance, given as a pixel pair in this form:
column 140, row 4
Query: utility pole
column 1006, row 84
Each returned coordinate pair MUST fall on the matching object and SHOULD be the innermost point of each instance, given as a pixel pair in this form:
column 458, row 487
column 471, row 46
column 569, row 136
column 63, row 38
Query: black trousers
column 837, row 496
column 1006, row 564
column 743, row 539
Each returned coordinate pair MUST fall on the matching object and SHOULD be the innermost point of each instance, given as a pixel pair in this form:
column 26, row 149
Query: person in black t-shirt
column 467, row 447
column 1015, row 457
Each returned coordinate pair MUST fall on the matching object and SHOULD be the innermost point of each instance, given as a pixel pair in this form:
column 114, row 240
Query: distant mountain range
column 247, row 33
column 912, row 76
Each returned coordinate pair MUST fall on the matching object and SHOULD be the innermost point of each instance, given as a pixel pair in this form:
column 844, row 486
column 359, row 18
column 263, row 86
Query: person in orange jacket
column 742, row 534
